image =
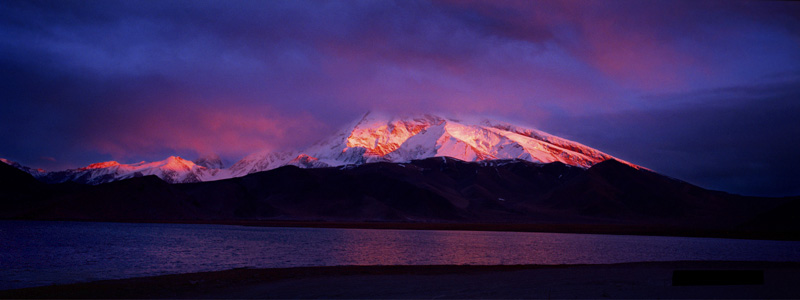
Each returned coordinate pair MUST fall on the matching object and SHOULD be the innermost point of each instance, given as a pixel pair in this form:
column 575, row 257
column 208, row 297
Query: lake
column 34, row 253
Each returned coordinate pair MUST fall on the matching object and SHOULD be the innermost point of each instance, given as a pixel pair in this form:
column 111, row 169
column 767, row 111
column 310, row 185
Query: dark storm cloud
column 654, row 82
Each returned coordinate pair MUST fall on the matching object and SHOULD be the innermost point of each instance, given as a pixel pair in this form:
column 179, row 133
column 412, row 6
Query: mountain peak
column 211, row 161
column 102, row 165
column 401, row 138
column 380, row 135
column 177, row 163
column 176, row 159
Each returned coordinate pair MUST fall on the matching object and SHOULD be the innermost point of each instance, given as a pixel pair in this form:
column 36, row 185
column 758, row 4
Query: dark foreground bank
column 628, row 280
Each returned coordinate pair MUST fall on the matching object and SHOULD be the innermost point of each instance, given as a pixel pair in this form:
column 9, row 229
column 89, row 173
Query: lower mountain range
column 422, row 170
column 609, row 197
column 373, row 138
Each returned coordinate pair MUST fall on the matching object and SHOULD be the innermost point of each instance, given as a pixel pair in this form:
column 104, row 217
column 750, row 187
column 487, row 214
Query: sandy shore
column 629, row 280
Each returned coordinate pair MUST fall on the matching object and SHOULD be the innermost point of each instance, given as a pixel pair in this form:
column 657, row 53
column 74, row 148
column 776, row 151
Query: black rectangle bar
column 717, row 277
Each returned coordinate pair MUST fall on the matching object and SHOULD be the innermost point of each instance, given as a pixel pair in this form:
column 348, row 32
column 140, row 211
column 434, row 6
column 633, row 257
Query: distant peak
column 178, row 162
column 212, row 161
column 102, row 165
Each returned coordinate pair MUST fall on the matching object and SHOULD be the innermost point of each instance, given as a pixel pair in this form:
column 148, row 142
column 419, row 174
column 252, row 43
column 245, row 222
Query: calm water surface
column 44, row 253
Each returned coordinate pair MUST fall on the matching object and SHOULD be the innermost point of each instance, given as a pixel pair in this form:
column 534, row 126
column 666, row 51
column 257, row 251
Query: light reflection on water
column 44, row 253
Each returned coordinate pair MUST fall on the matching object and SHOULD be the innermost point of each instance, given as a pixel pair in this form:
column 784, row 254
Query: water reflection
column 42, row 253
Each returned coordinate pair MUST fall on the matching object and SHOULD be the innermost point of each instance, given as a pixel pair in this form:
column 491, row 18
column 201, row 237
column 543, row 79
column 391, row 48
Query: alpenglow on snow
column 373, row 138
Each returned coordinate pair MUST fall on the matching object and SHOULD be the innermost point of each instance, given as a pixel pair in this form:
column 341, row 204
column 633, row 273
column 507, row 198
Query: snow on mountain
column 378, row 137
column 212, row 161
column 401, row 139
column 373, row 138
column 260, row 161
column 173, row 170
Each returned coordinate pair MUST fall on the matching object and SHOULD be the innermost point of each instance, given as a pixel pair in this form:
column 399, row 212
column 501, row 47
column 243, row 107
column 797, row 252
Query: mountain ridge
column 375, row 137
column 605, row 198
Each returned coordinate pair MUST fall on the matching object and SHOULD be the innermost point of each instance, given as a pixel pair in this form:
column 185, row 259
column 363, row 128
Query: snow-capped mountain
column 377, row 137
column 373, row 138
column 260, row 161
column 212, row 161
column 173, row 170
column 400, row 139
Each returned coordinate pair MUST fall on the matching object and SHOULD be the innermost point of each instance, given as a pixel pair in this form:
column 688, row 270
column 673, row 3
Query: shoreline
column 623, row 280
column 587, row 228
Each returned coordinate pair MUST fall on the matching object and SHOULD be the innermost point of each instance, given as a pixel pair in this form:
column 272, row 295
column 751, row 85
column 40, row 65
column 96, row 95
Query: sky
column 704, row 91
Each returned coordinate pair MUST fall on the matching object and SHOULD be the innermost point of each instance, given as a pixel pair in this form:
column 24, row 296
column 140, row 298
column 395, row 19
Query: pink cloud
column 232, row 131
column 642, row 45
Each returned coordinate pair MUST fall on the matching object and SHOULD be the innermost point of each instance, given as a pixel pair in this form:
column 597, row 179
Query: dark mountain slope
column 615, row 190
column 783, row 218
column 440, row 190
column 17, row 189
column 13, row 179
column 329, row 193
column 144, row 198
